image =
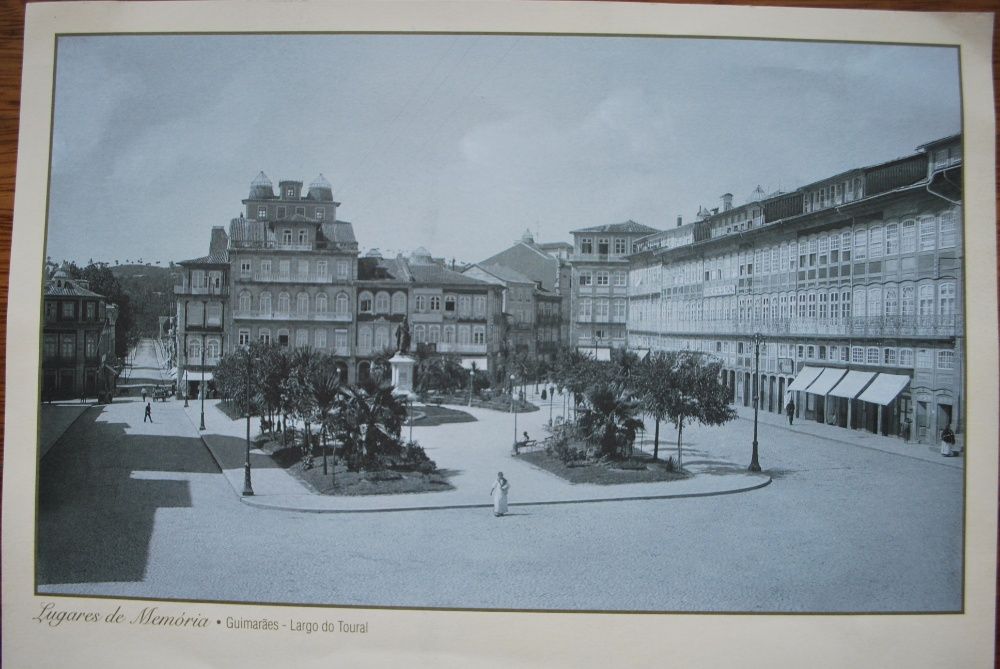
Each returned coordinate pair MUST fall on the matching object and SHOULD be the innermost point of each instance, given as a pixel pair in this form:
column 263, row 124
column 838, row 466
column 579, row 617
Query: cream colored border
column 445, row 639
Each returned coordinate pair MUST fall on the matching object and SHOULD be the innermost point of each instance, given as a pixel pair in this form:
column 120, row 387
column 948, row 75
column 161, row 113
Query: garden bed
column 430, row 415
column 340, row 481
column 637, row 469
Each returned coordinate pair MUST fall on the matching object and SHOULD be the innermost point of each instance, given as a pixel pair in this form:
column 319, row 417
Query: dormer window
column 261, row 212
column 319, row 214
column 289, row 192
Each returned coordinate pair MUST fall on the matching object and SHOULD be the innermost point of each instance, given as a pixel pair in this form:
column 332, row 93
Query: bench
column 526, row 445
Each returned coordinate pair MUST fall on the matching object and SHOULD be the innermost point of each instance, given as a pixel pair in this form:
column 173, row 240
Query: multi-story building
column 203, row 309
column 854, row 282
column 599, row 298
column 78, row 341
column 547, row 266
column 293, row 267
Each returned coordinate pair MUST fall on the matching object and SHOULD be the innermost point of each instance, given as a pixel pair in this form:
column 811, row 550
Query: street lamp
column 552, row 400
column 758, row 339
column 513, row 408
column 472, row 383
column 247, row 487
column 201, row 388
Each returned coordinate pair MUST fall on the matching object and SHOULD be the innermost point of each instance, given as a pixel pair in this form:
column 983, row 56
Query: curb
column 250, row 501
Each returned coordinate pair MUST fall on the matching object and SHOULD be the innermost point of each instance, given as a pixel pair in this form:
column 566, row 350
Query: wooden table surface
column 11, row 33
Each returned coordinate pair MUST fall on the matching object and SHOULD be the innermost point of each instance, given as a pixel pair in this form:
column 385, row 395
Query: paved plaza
column 848, row 523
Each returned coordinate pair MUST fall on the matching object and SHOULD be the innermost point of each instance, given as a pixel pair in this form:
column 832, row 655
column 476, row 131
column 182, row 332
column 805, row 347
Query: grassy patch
column 339, row 481
column 638, row 469
column 436, row 415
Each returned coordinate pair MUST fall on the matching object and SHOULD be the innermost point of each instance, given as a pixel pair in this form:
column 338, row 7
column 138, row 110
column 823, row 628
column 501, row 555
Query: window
column 810, row 352
column 290, row 192
column 340, row 342
column 51, row 346
column 873, row 356
column 303, row 237
column 245, row 269
column 301, row 338
column 603, row 278
column 925, row 300
column 860, row 244
column 264, row 335
column 265, row 268
column 286, row 236
column 603, row 246
column 601, row 310
column 244, row 337
column 945, row 359
column 891, row 294
column 874, row 302
column 908, row 243
column 621, row 279
column 365, row 303
column 194, row 349
column 51, row 310
column 302, row 304
column 283, row 338
column 381, row 338
column 399, row 303
column 342, row 304
column 320, row 338
column 947, row 230
column 284, row 303
column 449, row 334
column 924, row 358
column 281, row 213
column 464, row 306
column 321, row 269
column 479, row 306
column 421, row 303
column 859, row 302
column 479, row 335
column 322, row 303
column 876, row 242
column 812, row 305
column 365, row 338
column 434, row 334
column 435, row 303
column 586, row 245
column 586, row 308
column 620, row 246
column 90, row 345
column 265, row 304
column 823, row 311
column 892, row 239
column 586, row 278
column 928, row 233
column 890, row 357
column 382, row 303
column 946, row 298
column 284, row 269
column 449, row 304
column 834, row 306
column 858, row 355
column 261, row 213
column 320, row 213
column 343, row 269
column 301, row 211
column 464, row 333
column 907, row 301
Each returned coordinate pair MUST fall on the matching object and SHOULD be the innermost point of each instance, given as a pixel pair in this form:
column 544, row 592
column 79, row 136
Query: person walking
column 149, row 413
column 499, row 494
column 947, row 442
column 143, row 391
column 790, row 410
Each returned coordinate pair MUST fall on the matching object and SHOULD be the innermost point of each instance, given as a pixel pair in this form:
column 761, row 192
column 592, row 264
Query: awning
column 884, row 388
column 805, row 377
column 852, row 384
column 481, row 363
column 826, row 381
column 195, row 377
column 602, row 354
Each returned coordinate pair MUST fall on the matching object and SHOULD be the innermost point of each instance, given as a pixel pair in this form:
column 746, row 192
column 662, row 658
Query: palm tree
column 369, row 424
column 609, row 420
column 297, row 390
column 326, row 396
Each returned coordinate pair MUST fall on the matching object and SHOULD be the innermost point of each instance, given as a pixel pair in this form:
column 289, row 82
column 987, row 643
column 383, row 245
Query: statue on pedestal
column 403, row 337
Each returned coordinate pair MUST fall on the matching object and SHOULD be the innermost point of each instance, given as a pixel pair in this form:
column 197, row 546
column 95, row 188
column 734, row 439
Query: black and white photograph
column 503, row 324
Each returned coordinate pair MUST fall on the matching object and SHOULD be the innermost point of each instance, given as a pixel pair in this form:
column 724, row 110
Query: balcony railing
column 185, row 289
column 323, row 316
column 278, row 277
column 886, row 327
column 269, row 244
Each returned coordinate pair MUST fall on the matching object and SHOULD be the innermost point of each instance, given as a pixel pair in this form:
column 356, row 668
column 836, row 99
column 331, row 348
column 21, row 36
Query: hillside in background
column 151, row 291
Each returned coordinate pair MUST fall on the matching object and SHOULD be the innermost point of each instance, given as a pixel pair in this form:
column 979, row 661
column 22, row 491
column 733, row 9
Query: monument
column 402, row 364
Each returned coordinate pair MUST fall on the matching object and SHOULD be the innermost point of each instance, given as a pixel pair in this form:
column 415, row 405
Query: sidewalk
column 767, row 421
column 457, row 447
column 54, row 419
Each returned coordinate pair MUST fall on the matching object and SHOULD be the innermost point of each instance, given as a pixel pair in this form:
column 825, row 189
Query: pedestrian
column 948, row 442
column 499, row 494
column 143, row 393
column 790, row 410
column 149, row 413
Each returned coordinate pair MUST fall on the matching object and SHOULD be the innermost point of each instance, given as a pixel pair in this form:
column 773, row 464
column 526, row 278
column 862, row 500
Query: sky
column 459, row 143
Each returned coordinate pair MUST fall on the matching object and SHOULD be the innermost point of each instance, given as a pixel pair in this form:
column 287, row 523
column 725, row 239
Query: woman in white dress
column 499, row 494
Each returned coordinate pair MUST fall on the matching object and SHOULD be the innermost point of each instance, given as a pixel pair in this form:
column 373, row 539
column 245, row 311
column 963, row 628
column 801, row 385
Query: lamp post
column 472, row 383
column 552, row 401
column 513, row 408
column 758, row 339
column 247, row 487
column 201, row 388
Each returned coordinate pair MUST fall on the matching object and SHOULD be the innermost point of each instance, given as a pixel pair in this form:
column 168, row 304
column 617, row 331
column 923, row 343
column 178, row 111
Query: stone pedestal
column 402, row 375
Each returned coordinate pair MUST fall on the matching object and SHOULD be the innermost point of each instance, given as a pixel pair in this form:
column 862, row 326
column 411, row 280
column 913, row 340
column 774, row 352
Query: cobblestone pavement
column 132, row 509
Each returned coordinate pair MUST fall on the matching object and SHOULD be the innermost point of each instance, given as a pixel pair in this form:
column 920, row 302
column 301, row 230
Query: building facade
column 78, row 341
column 854, row 283
column 293, row 267
column 599, row 299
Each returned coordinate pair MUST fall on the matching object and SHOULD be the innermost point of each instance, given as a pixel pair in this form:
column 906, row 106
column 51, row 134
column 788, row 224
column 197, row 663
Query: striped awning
column 852, row 384
column 826, row 381
column 884, row 388
column 806, row 376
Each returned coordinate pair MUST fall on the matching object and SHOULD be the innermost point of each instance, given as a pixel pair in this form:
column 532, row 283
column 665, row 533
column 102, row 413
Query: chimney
column 727, row 201
column 680, row 221
column 220, row 240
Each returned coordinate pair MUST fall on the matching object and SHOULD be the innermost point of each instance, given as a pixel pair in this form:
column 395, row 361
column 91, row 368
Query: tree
column 609, row 420
column 654, row 388
column 369, row 425
column 101, row 280
column 327, row 395
column 690, row 389
column 297, row 390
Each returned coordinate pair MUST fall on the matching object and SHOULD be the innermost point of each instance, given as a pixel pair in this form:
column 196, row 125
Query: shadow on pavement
column 94, row 519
